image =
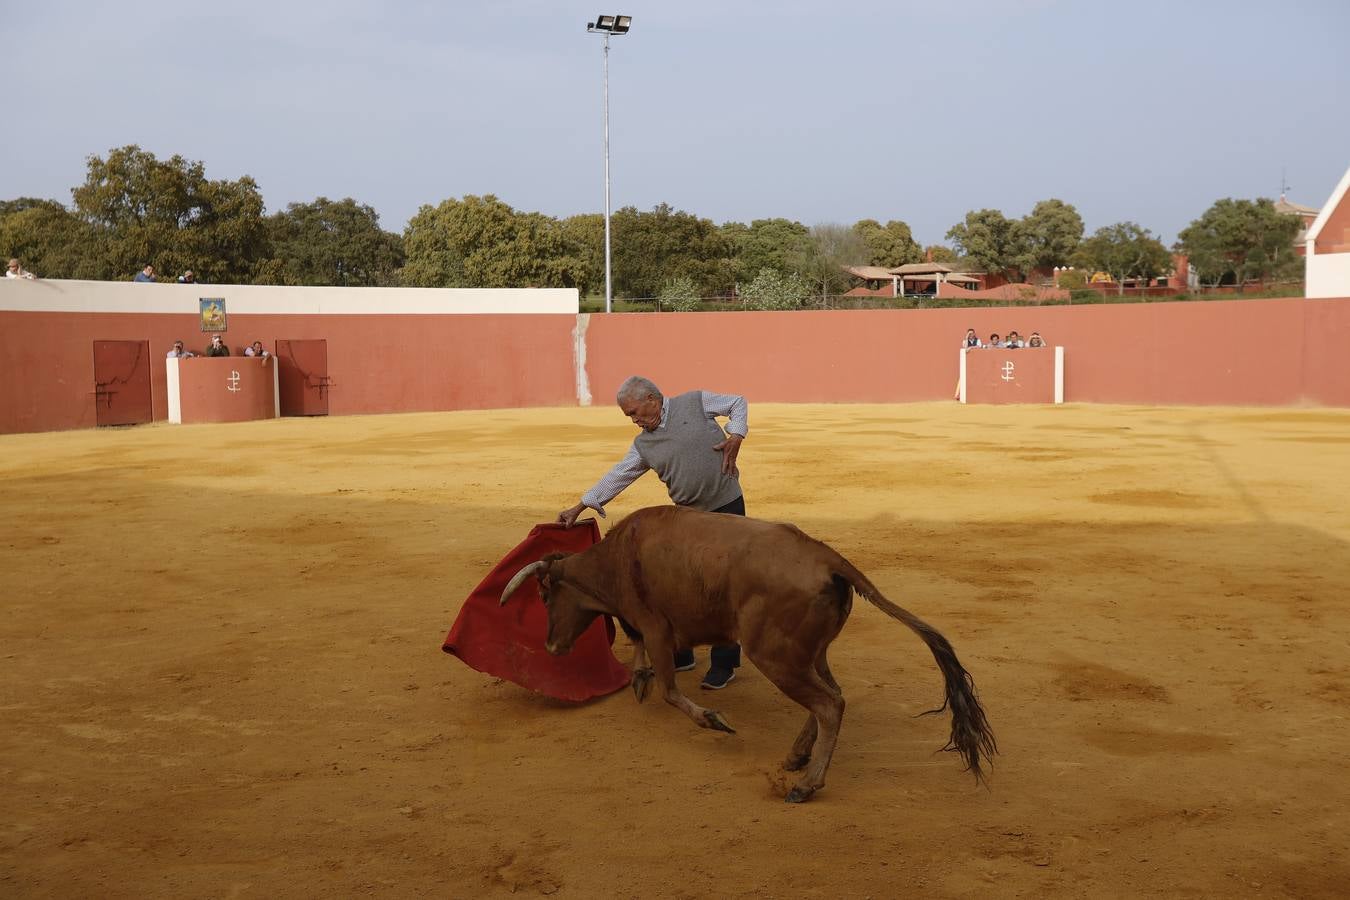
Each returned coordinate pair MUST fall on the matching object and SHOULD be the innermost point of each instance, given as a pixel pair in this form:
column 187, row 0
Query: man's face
column 216, row 339
column 149, row 270
column 645, row 413
column 178, row 346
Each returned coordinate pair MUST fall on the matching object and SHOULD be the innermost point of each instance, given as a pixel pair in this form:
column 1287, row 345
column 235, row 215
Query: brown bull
column 677, row 577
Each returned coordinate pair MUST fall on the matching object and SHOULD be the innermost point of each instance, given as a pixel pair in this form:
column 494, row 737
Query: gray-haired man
column 694, row 459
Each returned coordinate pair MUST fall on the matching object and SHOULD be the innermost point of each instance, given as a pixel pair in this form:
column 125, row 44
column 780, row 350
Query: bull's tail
column 971, row 735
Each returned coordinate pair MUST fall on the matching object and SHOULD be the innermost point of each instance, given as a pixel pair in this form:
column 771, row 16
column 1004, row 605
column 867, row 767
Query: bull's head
column 571, row 607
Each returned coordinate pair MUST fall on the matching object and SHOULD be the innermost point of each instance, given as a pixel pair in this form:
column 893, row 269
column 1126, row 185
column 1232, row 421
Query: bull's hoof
column 799, row 794
column 642, row 683
column 714, row 720
column 797, row 763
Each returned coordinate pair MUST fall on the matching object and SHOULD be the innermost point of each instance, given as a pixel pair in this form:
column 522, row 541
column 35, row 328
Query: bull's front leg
column 642, row 671
column 661, row 649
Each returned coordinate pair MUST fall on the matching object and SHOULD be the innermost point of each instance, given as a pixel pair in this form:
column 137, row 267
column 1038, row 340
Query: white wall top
column 57, row 295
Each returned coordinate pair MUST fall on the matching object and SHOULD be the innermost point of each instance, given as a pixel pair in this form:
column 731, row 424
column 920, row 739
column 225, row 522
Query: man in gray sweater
column 696, row 461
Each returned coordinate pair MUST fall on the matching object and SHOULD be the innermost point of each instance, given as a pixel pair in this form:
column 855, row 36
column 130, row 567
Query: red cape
column 508, row 641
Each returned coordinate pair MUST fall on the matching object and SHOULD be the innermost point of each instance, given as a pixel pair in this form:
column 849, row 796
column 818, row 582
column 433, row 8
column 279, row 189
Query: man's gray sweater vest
column 683, row 457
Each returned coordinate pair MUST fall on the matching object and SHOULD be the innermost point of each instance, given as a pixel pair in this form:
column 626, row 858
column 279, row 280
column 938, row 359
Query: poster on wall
column 212, row 313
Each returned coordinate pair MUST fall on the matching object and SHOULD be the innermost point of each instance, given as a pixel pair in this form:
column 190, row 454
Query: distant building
column 1327, row 246
column 913, row 279
column 1306, row 213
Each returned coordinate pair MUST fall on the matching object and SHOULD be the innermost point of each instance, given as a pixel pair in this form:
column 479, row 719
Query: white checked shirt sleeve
column 733, row 406
column 628, row 470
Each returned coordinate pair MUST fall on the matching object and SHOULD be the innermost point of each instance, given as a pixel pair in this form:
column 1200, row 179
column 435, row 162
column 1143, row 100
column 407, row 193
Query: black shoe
column 716, row 679
column 684, row 660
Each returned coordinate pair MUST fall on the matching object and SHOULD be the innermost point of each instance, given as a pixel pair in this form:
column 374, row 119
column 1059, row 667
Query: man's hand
column 730, row 448
column 568, row 516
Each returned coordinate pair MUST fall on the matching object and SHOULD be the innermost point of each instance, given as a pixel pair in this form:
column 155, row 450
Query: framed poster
column 212, row 313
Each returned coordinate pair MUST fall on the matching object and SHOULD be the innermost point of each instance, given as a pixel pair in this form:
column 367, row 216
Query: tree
column 940, row 253
column 890, row 245
column 992, row 242
column 1242, row 239
column 771, row 289
column 479, row 242
column 679, row 294
column 169, row 214
column 49, row 239
column 651, row 248
column 1049, row 236
column 582, row 262
column 832, row 247
column 1125, row 250
column 330, row 242
column 766, row 244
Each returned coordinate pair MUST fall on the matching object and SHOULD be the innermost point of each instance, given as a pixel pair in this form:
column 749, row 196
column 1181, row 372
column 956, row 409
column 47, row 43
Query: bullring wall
column 403, row 350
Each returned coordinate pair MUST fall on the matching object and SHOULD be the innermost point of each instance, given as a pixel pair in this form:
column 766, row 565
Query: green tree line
column 134, row 209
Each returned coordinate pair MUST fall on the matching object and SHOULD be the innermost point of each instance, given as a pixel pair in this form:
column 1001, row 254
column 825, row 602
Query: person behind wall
column 17, row 271
column 187, row 278
column 179, row 353
column 217, row 347
column 994, row 341
column 694, row 458
column 256, row 349
column 1035, row 340
column 145, row 275
column 970, row 342
column 1014, row 341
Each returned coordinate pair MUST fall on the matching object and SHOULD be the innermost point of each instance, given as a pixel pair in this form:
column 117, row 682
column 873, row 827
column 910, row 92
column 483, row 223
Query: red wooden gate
column 122, row 383
column 304, row 380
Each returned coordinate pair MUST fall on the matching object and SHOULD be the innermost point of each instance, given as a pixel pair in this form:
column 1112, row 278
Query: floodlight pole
column 609, row 290
column 608, row 25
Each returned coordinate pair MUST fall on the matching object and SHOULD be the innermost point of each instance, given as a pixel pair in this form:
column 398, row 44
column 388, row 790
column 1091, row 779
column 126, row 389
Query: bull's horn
column 519, row 578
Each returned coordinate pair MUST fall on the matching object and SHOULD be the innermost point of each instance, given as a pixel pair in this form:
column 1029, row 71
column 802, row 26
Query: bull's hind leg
column 800, row 754
column 826, row 706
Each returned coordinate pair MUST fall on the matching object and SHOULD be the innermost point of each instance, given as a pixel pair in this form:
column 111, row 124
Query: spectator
column 972, row 339
column 1035, row 340
column 1014, row 341
column 217, row 347
column 256, row 350
column 147, row 274
column 994, row 341
column 179, row 353
column 187, row 278
column 17, row 271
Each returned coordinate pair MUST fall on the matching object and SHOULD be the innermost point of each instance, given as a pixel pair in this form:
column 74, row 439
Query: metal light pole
column 608, row 25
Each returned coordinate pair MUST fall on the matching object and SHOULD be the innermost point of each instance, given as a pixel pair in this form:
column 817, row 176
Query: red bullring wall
column 1252, row 352
column 1241, row 352
column 378, row 364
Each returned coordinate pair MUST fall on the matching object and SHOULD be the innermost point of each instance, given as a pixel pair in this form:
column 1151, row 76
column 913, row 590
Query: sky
column 1141, row 111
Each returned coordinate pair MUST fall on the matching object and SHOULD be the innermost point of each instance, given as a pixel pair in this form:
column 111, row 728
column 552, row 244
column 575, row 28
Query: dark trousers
column 728, row 656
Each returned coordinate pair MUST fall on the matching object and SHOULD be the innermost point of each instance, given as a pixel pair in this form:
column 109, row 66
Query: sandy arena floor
column 222, row 673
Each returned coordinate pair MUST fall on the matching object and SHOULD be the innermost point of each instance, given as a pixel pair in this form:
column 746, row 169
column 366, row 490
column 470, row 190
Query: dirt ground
column 222, row 673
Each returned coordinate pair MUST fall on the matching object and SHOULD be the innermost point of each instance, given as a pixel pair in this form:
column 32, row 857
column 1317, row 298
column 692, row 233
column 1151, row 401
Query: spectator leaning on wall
column 17, row 271
column 145, row 275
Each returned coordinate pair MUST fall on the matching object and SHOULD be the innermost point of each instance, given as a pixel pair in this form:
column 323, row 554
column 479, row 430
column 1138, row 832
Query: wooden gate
column 122, row 383
column 304, row 381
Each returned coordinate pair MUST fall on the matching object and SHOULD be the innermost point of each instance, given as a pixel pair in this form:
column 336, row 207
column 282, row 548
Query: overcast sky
column 1144, row 110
